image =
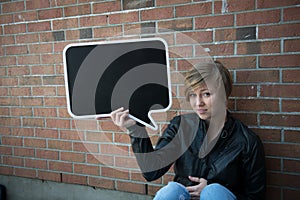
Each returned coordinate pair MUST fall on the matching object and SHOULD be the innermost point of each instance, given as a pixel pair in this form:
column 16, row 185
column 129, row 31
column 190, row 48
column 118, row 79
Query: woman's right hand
column 120, row 118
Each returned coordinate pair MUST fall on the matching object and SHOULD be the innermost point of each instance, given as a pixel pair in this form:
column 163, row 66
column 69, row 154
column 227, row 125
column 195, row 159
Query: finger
column 194, row 179
column 123, row 116
column 113, row 113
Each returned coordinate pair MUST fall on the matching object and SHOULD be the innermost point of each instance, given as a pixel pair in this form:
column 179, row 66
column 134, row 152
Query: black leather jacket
column 236, row 160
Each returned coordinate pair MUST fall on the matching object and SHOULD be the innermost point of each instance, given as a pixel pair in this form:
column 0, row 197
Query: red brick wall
column 258, row 40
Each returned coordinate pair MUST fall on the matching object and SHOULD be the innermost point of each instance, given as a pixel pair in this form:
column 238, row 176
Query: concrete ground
column 18, row 188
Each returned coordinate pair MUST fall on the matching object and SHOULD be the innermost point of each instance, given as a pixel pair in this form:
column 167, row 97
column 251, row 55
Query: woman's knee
column 216, row 191
column 172, row 191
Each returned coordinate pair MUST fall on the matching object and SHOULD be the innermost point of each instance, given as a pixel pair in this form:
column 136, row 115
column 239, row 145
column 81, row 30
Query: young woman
column 215, row 156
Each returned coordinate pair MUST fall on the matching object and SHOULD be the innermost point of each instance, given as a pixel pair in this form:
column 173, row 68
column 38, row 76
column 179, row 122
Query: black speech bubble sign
column 134, row 74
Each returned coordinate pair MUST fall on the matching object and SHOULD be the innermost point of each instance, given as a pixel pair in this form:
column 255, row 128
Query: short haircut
column 204, row 72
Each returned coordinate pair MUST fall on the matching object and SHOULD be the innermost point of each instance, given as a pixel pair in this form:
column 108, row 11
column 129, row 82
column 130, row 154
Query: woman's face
column 202, row 100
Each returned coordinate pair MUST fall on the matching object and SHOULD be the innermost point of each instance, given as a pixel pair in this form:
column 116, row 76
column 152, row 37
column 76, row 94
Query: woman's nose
column 199, row 101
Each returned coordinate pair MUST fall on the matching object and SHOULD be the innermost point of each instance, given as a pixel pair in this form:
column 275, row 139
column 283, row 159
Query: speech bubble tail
column 152, row 125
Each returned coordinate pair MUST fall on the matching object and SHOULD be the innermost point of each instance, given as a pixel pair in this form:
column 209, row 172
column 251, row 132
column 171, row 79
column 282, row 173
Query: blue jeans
column 176, row 191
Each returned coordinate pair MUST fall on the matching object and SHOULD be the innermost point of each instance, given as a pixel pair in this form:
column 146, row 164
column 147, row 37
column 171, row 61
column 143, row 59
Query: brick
column 280, row 91
column 104, row 7
column 226, row 34
column 60, row 166
column 65, row 24
column 126, row 162
column 257, row 76
column 279, row 61
column 269, row 135
column 74, row 179
column 33, row 5
column 288, row 120
column 39, row 26
column 278, row 31
column 10, row 121
column 85, row 147
column 113, row 149
column 157, row 14
column 45, row 112
column 18, row 71
column 25, row 16
column 34, row 163
column 246, row 33
column 14, row 161
column 12, row 7
column 291, row 76
column 6, row 19
column 216, row 49
column 9, row 101
column 262, row 17
column 32, row 142
column 83, row 9
column 135, row 4
column 246, row 62
column 5, row 40
column 6, row 170
column 258, row 105
column 176, row 25
column 44, row 91
column 22, row 132
column 86, row 33
column 53, row 80
column 214, row 21
column 193, row 9
column 8, row 60
column 292, row 45
column 29, row 173
column 291, row 194
column 280, row 179
column 40, row 48
column 51, row 59
column 46, row 133
column 5, row 150
column 27, row 38
column 87, row 169
column 171, row 2
column 47, row 154
column 24, row 152
column 72, row 157
column 107, row 31
column 15, row 50
column 291, row 14
column 131, row 187
column 124, row 18
column 101, row 183
column 236, row 5
column 100, row 159
column 292, row 136
column 267, row 47
column 71, row 135
column 14, row 28
column 21, row 112
column 55, row 101
column 49, row 176
column 121, row 138
column 59, row 35
column 31, row 101
column 45, row 70
column 30, row 59
column 58, row 144
column 248, row 118
column 114, row 173
column 290, row 106
column 99, row 137
column 50, row 13
column 273, row 164
column 54, row 3
column 291, row 165
column 275, row 3
column 21, row 91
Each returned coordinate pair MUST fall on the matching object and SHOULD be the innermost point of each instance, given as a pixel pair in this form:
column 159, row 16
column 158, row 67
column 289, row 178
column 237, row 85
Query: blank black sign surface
column 101, row 77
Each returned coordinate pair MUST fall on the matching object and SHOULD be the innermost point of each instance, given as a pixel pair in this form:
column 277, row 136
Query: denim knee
column 216, row 191
column 172, row 191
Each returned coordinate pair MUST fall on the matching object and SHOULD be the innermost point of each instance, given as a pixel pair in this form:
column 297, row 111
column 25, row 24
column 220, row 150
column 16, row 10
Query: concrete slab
column 18, row 188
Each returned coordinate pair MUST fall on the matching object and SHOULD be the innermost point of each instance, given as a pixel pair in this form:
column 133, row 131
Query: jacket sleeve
column 255, row 172
column 152, row 160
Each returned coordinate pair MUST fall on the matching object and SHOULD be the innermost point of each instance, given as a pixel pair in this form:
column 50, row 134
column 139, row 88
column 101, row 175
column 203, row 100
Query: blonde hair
column 204, row 72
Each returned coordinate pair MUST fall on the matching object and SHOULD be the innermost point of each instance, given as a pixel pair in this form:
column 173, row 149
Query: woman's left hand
column 196, row 189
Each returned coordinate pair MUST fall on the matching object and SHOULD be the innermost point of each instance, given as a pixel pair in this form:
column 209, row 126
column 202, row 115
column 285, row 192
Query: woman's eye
column 192, row 95
column 206, row 94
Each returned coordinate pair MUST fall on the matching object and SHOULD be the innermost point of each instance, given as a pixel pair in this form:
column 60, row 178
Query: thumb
column 194, row 179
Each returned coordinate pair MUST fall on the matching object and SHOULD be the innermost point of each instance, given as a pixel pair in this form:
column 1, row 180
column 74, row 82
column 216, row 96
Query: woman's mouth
column 201, row 111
